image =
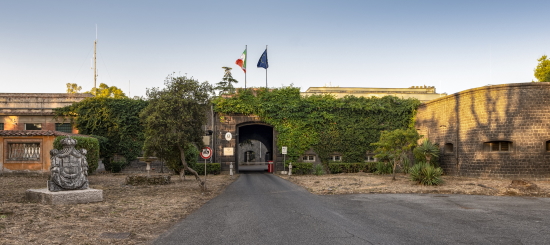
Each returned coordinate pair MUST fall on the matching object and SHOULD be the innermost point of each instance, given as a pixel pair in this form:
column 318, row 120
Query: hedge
column 211, row 168
column 342, row 167
column 301, row 168
column 83, row 142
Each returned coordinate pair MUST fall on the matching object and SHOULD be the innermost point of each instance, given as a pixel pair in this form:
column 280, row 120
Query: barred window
column 33, row 126
column 336, row 158
column 64, row 127
column 23, row 151
column 495, row 146
column 308, row 158
column 1, row 126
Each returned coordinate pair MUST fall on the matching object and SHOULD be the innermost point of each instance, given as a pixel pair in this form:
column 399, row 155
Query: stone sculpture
column 69, row 168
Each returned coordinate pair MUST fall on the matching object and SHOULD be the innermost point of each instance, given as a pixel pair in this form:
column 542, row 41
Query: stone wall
column 466, row 122
column 224, row 124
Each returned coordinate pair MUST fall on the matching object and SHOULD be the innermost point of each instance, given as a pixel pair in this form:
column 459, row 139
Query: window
column 308, row 158
column 64, row 127
column 548, row 145
column 370, row 158
column 336, row 158
column 449, row 148
column 23, row 151
column 1, row 126
column 33, row 126
column 498, row 146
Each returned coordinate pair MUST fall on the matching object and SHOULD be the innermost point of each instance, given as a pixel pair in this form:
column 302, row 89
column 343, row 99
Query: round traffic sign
column 206, row 153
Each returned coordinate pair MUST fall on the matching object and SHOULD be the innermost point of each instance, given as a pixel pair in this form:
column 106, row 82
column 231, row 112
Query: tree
column 115, row 119
column 104, row 91
column 73, row 88
column 395, row 145
column 427, row 150
column 225, row 85
column 175, row 117
column 542, row 72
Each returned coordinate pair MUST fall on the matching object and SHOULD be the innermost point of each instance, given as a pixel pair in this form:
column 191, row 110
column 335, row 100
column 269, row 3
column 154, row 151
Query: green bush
column 116, row 166
column 301, row 168
column 383, row 168
column 318, row 170
column 335, row 168
column 211, row 168
column 83, row 142
column 369, row 167
column 426, row 174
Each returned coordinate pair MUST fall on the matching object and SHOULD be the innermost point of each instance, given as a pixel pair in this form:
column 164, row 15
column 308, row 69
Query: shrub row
column 211, row 168
column 343, row 167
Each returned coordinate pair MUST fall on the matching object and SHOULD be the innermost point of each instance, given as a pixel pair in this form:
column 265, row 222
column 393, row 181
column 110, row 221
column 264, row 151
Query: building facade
column 34, row 111
column 422, row 93
column 496, row 131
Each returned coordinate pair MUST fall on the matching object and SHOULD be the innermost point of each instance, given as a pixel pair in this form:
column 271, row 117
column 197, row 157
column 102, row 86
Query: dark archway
column 255, row 146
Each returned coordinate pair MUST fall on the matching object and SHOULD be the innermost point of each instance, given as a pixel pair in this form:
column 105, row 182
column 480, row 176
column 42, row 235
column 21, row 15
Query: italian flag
column 242, row 61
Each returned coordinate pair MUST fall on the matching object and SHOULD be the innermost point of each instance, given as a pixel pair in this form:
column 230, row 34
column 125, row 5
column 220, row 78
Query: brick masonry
column 517, row 113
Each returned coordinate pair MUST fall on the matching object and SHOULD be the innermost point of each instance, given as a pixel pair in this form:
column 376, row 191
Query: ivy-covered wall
column 321, row 122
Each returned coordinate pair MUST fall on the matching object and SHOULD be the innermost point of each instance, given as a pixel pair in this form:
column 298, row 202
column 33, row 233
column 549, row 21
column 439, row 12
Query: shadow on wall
column 496, row 131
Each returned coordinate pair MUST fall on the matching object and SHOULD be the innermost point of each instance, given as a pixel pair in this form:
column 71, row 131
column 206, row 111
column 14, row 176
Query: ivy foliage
column 117, row 120
column 328, row 125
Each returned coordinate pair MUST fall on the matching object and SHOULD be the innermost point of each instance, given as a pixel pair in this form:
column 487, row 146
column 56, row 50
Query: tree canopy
column 105, row 91
column 175, row 117
column 73, row 88
column 396, row 144
column 115, row 119
column 542, row 71
column 225, row 86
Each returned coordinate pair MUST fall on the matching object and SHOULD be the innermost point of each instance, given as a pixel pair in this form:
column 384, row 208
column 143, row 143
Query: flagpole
column 266, row 72
column 245, row 58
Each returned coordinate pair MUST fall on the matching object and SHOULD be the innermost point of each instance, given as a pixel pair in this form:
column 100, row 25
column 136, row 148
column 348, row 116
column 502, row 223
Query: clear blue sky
column 453, row 45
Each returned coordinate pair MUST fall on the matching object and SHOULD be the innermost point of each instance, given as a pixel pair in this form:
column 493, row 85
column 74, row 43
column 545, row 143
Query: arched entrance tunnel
column 255, row 147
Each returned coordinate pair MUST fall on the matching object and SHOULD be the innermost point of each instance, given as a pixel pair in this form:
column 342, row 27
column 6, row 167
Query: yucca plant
column 427, row 150
column 426, row 174
column 318, row 170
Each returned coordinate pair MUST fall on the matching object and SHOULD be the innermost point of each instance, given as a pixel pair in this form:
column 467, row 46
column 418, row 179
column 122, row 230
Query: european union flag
column 263, row 60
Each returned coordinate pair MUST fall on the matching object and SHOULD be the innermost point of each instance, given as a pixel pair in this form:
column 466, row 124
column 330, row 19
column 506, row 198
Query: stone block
column 45, row 196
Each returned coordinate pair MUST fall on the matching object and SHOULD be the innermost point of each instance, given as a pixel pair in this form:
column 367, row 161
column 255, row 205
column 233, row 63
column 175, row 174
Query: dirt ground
column 139, row 214
column 370, row 183
column 128, row 214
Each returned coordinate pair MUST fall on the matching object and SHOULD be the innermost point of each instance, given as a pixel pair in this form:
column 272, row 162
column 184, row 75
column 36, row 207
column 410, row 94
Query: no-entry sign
column 206, row 153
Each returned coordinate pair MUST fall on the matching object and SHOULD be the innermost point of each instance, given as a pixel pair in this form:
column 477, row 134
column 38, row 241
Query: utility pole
column 95, row 64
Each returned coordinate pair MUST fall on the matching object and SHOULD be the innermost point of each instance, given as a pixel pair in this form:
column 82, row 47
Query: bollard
column 231, row 170
column 289, row 169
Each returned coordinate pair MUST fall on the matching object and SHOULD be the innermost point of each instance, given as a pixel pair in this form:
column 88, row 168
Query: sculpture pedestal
column 45, row 196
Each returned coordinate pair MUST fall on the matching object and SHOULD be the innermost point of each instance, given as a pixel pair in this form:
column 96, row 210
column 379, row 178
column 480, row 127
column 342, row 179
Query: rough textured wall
column 516, row 113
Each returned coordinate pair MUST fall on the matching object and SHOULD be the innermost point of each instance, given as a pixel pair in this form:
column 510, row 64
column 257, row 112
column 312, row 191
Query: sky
column 452, row 45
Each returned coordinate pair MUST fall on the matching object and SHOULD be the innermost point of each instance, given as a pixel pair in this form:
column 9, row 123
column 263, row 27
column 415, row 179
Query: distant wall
column 471, row 125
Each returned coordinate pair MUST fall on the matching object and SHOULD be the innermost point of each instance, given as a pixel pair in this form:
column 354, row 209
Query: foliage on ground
column 117, row 120
column 426, row 174
column 90, row 144
column 346, row 125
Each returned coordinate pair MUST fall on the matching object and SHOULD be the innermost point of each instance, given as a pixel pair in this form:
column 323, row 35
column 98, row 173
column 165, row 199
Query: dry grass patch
column 128, row 214
column 371, row 183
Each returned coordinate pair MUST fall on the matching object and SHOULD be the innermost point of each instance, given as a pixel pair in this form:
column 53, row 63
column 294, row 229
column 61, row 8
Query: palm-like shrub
column 426, row 174
column 427, row 151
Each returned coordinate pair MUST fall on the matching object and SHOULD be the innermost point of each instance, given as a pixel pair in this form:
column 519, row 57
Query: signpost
column 206, row 153
column 284, row 150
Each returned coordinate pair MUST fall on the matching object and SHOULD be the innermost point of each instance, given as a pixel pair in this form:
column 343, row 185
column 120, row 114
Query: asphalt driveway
column 260, row 208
